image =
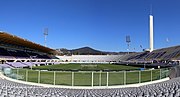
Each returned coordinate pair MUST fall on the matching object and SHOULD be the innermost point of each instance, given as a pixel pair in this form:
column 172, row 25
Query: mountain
column 86, row 51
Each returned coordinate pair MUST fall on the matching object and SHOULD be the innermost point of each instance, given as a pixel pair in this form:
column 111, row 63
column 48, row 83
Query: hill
column 86, row 51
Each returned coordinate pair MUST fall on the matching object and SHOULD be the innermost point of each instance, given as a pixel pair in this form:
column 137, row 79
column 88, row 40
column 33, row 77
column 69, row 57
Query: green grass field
column 84, row 78
column 87, row 67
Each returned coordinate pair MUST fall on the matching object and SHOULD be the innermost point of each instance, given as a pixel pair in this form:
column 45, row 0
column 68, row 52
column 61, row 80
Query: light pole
column 128, row 42
column 45, row 36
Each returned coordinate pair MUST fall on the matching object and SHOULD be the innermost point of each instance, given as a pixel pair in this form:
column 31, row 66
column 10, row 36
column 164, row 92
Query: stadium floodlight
column 45, row 36
column 128, row 40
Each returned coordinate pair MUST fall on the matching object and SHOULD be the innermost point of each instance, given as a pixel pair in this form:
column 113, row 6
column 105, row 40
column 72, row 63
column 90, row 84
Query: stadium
column 29, row 69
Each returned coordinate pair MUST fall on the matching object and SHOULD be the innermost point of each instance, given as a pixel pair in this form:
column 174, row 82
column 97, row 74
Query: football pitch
column 86, row 67
column 89, row 78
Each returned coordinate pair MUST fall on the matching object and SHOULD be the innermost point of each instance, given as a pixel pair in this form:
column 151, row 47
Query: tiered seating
column 4, row 52
column 21, row 54
column 169, row 88
column 37, row 55
column 154, row 55
column 139, row 56
column 28, row 63
column 16, row 64
column 5, row 66
column 25, row 64
column 172, row 55
column 164, row 53
column 44, row 57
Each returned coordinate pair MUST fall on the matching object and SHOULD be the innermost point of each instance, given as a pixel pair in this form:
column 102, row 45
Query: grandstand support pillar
column 54, row 77
column 124, row 77
column 26, row 75
column 72, row 79
column 100, row 78
column 139, row 76
column 92, row 79
column 39, row 76
column 107, row 84
column 151, row 74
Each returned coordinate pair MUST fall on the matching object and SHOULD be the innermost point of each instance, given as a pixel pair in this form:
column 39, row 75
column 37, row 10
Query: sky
column 100, row 24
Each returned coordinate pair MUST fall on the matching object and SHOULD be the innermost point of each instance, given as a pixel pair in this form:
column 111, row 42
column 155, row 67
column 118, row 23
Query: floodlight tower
column 128, row 40
column 45, row 36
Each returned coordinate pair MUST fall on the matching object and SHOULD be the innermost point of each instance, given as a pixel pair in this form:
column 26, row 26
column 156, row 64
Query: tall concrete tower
column 151, row 38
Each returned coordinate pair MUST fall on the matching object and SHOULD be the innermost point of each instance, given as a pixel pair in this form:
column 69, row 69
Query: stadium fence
column 87, row 78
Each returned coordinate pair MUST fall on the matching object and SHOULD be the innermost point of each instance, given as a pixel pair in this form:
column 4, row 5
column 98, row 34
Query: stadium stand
column 90, row 58
column 165, row 57
column 16, row 52
column 169, row 53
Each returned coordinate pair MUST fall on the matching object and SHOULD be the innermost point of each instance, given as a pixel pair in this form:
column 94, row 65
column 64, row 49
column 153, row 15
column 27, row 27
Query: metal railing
column 89, row 78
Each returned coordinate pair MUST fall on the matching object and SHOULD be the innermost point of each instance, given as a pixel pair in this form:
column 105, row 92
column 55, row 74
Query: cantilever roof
column 7, row 38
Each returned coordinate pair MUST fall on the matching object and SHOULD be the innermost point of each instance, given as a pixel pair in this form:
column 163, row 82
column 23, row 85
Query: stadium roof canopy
column 7, row 38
